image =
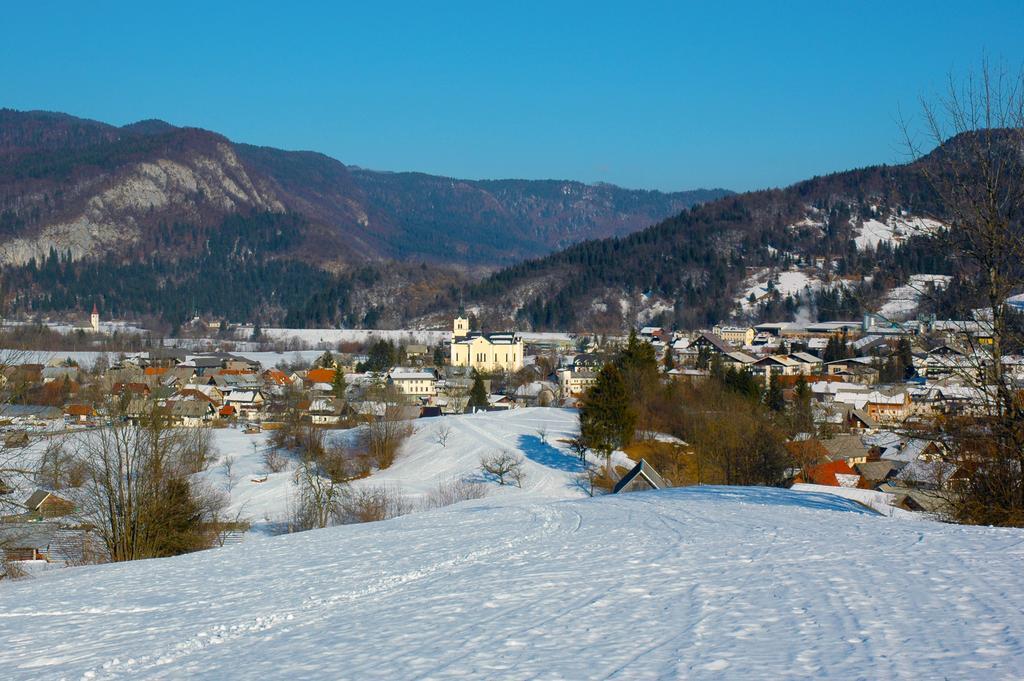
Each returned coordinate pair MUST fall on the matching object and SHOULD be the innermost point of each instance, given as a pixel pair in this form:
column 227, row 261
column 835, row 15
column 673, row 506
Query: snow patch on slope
column 903, row 301
column 895, row 230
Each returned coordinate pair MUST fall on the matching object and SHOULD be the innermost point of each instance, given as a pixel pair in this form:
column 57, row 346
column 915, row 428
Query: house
column 888, row 405
column 326, row 411
column 247, row 403
column 45, row 504
column 809, row 364
column 834, row 474
column 710, row 344
column 421, row 383
column 652, row 333
column 875, row 473
column 485, row 352
column 416, row 351
column 319, row 375
column 855, row 369
column 640, row 478
column 737, row 360
column 737, row 335
column 276, row 377
column 27, row 413
column 846, row 447
column 191, row 413
column 776, row 365
column 49, row 541
column 573, row 383
column 132, row 389
column 79, row 412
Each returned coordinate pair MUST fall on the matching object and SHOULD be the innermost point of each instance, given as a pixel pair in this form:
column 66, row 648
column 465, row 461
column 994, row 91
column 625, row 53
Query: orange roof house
column 277, row 377
column 82, row 411
column 320, row 376
column 833, row 474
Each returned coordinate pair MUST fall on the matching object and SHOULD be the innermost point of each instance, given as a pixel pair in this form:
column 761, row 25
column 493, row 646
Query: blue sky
column 642, row 94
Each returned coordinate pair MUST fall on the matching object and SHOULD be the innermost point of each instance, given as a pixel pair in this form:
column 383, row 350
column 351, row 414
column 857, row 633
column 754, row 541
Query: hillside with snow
column 538, row 435
column 694, row 582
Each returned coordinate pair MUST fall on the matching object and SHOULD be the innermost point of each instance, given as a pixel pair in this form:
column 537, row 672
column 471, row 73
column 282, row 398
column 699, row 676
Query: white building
column 485, row 352
column 413, row 381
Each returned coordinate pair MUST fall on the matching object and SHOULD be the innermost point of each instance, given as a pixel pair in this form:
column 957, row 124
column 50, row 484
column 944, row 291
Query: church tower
column 94, row 319
column 460, row 328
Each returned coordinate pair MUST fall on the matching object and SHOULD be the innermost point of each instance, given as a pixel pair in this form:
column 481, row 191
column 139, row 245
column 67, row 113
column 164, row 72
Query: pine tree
column 670, row 362
column 773, row 396
column 607, row 420
column 478, row 394
column 338, row 384
column 802, row 414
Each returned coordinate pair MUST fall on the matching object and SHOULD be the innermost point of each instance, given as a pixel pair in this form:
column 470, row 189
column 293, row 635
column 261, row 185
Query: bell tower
column 94, row 319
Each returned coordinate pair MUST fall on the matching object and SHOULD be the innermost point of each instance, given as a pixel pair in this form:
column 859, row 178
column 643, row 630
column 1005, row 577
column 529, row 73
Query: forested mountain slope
column 829, row 247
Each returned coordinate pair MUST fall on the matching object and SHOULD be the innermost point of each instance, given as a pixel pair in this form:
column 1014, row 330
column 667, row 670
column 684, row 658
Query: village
column 872, row 387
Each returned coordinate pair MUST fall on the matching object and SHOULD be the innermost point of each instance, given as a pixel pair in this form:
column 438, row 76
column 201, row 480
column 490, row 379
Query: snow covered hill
column 694, row 582
column 536, row 434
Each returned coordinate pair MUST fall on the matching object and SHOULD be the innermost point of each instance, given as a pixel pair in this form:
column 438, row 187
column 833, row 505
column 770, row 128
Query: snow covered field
column 423, row 464
column 689, row 583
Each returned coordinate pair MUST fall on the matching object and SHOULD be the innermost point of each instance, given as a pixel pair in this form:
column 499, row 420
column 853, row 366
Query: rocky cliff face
column 114, row 207
column 87, row 189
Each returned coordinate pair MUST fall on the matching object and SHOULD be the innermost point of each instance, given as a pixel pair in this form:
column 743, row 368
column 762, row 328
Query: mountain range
column 89, row 189
column 155, row 220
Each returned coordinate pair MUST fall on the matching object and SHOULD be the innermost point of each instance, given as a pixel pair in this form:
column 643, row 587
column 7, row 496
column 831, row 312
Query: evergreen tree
column 327, row 360
column 607, row 420
column 773, row 396
column 439, row 357
column 670, row 362
column 338, row 384
column 802, row 414
column 478, row 393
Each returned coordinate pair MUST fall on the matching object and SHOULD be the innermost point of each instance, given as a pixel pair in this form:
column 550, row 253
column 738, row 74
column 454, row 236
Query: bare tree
column 229, row 472
column 139, row 495
column 443, row 431
column 977, row 175
column 274, row 459
column 319, row 496
column 386, row 430
column 579, row 447
column 505, row 466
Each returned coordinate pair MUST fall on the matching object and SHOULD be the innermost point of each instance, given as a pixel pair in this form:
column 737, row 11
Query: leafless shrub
column 318, row 499
column 588, row 478
column 371, row 504
column 140, row 495
column 383, row 437
column 452, row 492
column 11, row 569
column 505, row 467
column 442, row 433
column 274, row 460
column 197, row 448
column 229, row 471
column 542, row 433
